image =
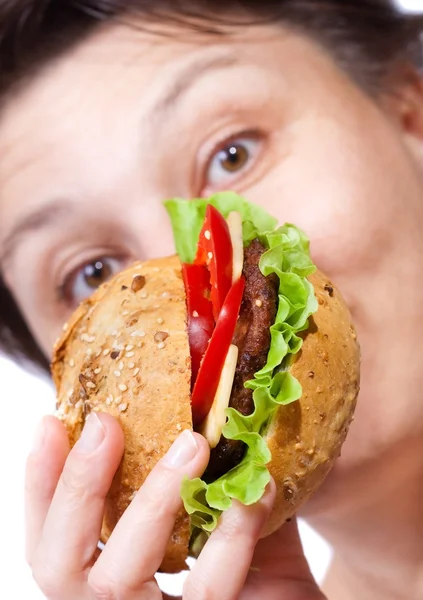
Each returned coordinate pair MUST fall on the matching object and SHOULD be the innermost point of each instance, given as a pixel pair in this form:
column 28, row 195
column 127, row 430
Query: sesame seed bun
column 305, row 437
column 125, row 351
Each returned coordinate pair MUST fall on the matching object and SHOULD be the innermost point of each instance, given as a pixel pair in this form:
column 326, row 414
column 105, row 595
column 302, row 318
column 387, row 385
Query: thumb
column 280, row 570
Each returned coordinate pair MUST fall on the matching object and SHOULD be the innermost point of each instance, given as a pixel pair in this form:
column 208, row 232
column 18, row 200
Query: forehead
column 105, row 74
column 87, row 109
column 97, row 72
column 114, row 55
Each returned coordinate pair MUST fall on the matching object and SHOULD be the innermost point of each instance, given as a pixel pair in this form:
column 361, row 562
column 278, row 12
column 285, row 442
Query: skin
column 94, row 131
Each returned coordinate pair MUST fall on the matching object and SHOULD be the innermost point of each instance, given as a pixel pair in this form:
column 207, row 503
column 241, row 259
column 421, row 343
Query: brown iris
column 233, row 158
column 96, row 273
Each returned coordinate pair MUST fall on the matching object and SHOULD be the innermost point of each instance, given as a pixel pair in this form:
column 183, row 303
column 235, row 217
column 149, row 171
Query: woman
column 313, row 109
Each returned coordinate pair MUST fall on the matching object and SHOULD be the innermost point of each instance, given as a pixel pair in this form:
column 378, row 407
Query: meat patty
column 252, row 336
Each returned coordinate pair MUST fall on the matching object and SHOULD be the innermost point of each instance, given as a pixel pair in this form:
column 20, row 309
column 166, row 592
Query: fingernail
column 39, row 436
column 182, row 450
column 92, row 435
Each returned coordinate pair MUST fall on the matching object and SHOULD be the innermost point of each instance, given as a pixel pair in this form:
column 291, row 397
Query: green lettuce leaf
column 273, row 386
column 188, row 217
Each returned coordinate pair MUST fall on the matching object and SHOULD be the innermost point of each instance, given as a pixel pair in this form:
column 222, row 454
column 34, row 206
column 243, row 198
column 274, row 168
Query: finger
column 138, row 543
column 43, row 468
column 224, row 563
column 72, row 526
column 280, row 569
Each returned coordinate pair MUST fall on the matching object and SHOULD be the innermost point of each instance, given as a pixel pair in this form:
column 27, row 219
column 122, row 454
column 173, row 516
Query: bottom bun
column 125, row 351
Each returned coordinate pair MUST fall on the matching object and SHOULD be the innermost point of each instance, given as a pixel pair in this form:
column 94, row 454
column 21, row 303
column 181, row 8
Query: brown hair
column 370, row 39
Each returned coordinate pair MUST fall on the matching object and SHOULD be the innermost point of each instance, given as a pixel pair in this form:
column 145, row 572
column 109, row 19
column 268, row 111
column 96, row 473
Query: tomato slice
column 200, row 313
column 215, row 251
column 214, row 358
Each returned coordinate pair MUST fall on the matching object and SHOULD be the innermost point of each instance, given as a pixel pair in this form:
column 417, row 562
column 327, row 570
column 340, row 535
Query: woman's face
column 91, row 148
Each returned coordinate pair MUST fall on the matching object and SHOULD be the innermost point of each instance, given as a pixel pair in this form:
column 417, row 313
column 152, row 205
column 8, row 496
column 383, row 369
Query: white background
column 25, row 399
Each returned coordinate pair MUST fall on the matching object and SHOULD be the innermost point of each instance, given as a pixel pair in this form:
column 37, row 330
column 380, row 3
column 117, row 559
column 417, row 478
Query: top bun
column 125, row 351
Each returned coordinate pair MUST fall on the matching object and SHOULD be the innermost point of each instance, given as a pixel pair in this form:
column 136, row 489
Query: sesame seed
column 123, row 407
column 117, row 373
column 165, row 295
column 136, row 371
column 122, row 387
column 65, row 326
column 130, row 354
column 118, row 399
column 144, row 295
column 179, row 427
column 106, row 352
column 131, row 365
column 160, row 321
column 97, row 371
column 89, row 351
column 79, row 404
column 97, row 354
column 87, row 338
column 160, row 336
column 90, row 385
column 210, row 255
column 129, row 347
column 161, row 345
column 259, row 303
column 121, row 365
column 142, row 333
column 207, row 234
column 71, row 362
column 195, row 314
column 125, row 313
column 109, row 400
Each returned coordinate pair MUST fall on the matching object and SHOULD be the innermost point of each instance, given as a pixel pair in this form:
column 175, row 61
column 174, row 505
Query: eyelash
column 62, row 290
column 256, row 134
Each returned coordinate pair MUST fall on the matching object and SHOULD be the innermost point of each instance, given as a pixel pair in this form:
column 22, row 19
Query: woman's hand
column 65, row 495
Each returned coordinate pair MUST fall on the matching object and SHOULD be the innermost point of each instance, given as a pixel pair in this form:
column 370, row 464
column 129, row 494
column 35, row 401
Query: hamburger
column 239, row 337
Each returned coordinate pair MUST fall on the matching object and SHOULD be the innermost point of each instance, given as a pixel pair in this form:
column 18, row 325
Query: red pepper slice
column 214, row 358
column 215, row 251
column 200, row 313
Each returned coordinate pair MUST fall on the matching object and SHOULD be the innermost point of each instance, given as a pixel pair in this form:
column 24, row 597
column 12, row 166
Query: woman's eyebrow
column 40, row 218
column 188, row 76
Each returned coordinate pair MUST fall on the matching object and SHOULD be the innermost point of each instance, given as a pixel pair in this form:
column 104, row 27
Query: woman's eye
column 231, row 160
column 87, row 278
